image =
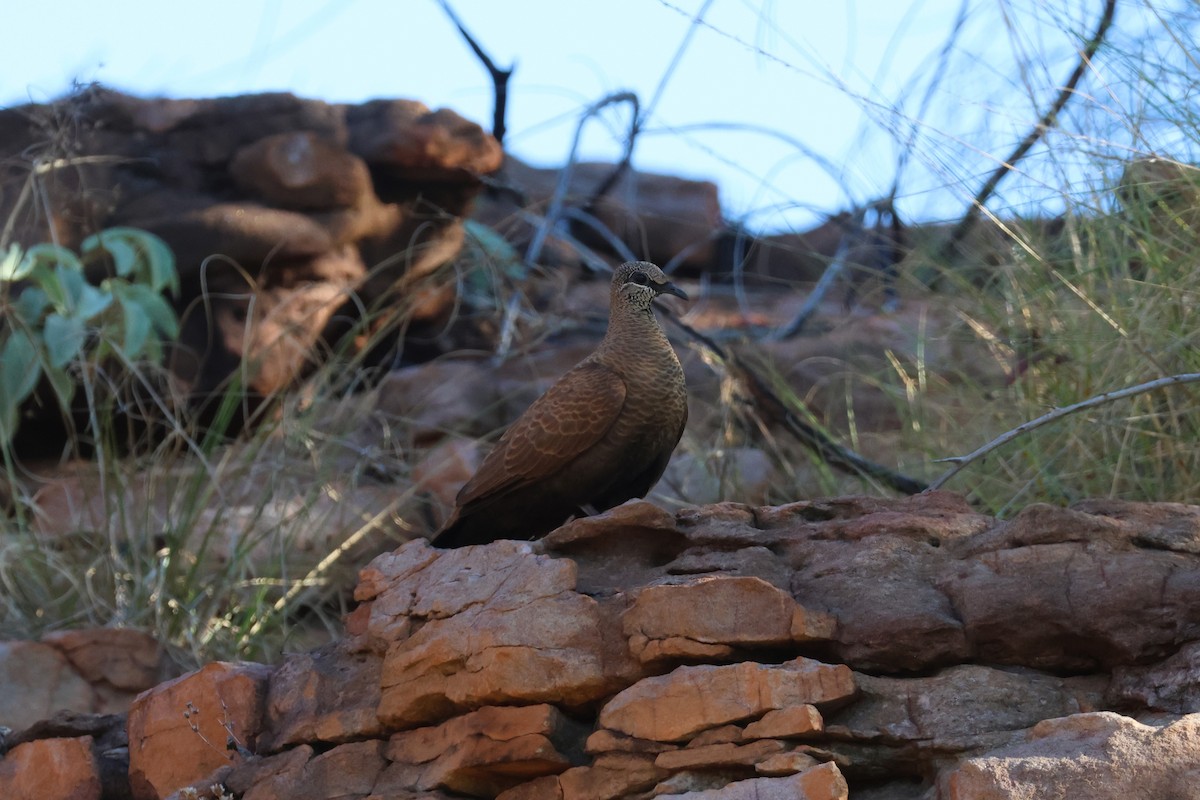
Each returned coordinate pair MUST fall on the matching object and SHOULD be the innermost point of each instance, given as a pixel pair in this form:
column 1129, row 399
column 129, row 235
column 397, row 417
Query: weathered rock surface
column 721, row 652
column 1097, row 756
column 281, row 213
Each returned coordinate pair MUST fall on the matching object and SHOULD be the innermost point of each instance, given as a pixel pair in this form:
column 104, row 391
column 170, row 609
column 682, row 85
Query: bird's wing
column 569, row 418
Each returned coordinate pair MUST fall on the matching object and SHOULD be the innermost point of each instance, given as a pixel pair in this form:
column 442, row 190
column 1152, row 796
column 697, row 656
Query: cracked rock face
column 883, row 649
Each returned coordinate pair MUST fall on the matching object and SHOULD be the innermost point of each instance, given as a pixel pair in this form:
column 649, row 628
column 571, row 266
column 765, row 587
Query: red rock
column 484, row 752
column 787, row 722
column 469, row 649
column 1100, row 756
column 178, row 730
column 605, row 741
column 610, row 776
column 301, row 170
column 785, row 764
column 716, row 756
column 443, row 471
column 354, row 770
column 958, row 708
column 50, row 769
column 822, row 782
column 710, row 615
column 688, row 700
column 38, row 680
column 118, row 662
column 421, row 144
column 1170, row 685
column 327, row 695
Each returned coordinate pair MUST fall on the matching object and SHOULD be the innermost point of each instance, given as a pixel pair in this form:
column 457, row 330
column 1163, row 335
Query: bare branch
column 1049, row 119
column 961, row 462
column 499, row 76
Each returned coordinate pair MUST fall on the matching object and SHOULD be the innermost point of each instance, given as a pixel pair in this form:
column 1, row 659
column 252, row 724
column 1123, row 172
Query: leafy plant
column 58, row 319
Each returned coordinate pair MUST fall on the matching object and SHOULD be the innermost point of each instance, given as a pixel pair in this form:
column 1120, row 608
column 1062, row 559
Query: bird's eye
column 640, row 279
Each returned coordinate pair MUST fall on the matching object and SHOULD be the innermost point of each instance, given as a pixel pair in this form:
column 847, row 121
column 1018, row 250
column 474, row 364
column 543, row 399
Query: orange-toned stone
column 719, row 755
column 688, row 700
column 785, row 722
column 484, row 752
column 50, row 769
column 709, row 615
column 38, row 680
column 822, row 782
column 178, row 730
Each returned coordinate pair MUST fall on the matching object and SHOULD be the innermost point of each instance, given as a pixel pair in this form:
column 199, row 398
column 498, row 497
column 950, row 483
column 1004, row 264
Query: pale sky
column 765, row 91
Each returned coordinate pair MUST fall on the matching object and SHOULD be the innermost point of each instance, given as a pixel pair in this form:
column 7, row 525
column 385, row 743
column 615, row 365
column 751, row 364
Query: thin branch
column 499, row 76
column 554, row 210
column 961, row 462
column 776, row 411
column 606, row 185
column 971, row 217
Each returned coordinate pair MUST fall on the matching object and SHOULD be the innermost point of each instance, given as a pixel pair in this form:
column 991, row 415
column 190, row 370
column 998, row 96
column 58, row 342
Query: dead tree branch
column 961, row 462
column 499, row 76
column 1048, row 119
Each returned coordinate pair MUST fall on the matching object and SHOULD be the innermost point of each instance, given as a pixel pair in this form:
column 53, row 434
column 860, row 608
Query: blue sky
column 765, row 92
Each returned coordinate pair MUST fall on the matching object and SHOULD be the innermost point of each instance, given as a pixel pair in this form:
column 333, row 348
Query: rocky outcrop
column 846, row 647
column 288, row 217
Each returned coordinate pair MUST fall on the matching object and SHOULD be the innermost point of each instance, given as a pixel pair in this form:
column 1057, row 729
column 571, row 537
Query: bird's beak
column 670, row 288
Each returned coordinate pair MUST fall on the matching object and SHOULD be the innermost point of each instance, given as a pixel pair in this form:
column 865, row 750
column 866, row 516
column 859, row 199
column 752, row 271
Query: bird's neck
column 634, row 334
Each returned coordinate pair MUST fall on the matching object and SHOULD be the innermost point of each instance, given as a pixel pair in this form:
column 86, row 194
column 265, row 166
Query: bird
column 601, row 435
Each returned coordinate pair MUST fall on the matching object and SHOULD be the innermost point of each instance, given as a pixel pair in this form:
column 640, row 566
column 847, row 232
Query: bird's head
column 639, row 282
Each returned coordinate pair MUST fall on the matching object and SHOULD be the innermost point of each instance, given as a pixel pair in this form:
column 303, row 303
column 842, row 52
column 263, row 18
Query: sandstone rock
column 246, row 233
column 420, row 144
column 353, row 770
column 606, row 741
column 50, row 769
column 610, row 776
column 327, row 695
column 708, row 617
column 684, row 702
column 301, row 170
column 441, row 396
column 788, row 763
column 822, row 782
column 1170, row 685
column 470, row 649
column 719, row 755
column 117, row 662
column 719, row 735
column 486, row 751
column 959, row 708
column 178, row 730
column 698, row 780
column 1099, row 756
column 787, row 722
column 38, row 681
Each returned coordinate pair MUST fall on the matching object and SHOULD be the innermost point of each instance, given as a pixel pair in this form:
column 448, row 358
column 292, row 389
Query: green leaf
column 138, row 253
column 12, row 265
column 72, row 282
column 64, row 387
column 93, row 301
column 159, row 310
column 30, row 305
column 19, row 365
column 64, row 338
column 137, row 326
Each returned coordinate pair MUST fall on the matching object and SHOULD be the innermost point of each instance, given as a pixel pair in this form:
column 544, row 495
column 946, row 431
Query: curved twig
column 554, row 210
column 971, row 217
column 961, row 462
